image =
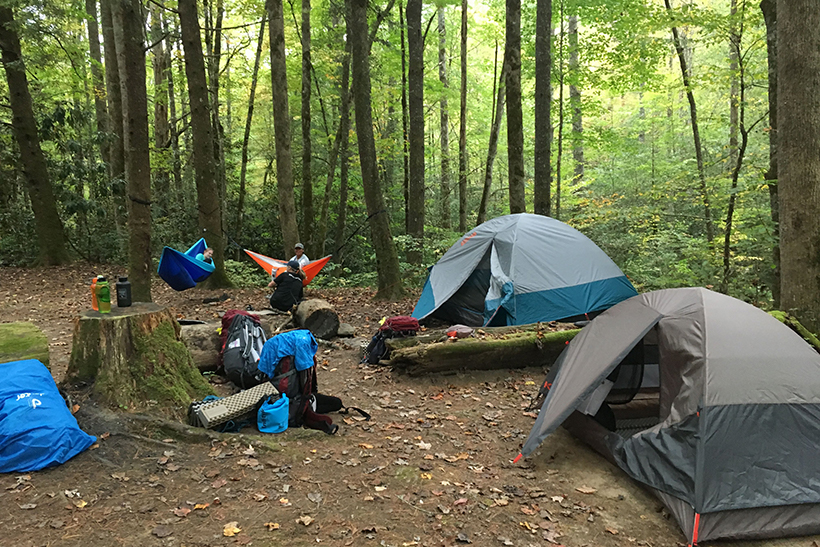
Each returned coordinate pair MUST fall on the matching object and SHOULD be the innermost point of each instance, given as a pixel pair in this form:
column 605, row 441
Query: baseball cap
column 298, row 246
column 293, row 264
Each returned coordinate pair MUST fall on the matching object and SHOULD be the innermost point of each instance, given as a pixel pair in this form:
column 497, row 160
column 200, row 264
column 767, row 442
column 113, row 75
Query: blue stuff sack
column 273, row 416
column 37, row 429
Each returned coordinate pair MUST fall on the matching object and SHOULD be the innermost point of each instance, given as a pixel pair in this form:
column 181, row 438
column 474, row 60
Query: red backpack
column 401, row 325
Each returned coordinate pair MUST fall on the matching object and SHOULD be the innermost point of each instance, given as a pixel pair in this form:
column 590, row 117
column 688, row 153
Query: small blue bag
column 273, row 416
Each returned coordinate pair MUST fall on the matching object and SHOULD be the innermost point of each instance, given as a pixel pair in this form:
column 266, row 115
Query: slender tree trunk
column 445, row 120
column 387, row 261
column 172, row 126
column 543, row 98
column 575, row 102
column 693, row 113
column 798, row 111
column 515, row 115
column 560, row 152
column 404, row 117
column 243, row 168
column 462, row 127
column 207, row 189
column 50, row 236
column 281, row 124
column 308, row 216
column 97, row 79
column 214, row 63
column 415, row 209
column 769, row 9
column 116, row 171
column 734, row 49
column 128, row 37
column 492, row 150
column 162, row 139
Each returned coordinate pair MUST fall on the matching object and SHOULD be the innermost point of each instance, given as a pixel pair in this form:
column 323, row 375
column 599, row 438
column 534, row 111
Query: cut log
column 515, row 350
column 203, row 339
column 317, row 316
column 439, row 335
column 134, row 357
column 22, row 340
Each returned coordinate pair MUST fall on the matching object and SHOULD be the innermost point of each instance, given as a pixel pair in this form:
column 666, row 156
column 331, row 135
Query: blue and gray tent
column 519, row 269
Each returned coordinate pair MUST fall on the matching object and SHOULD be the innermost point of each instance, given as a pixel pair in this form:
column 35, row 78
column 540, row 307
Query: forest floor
column 433, row 466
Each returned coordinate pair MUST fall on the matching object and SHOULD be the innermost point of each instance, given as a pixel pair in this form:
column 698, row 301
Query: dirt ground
column 432, row 467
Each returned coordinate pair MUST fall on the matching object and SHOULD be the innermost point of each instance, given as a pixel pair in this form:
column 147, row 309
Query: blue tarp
column 182, row 270
column 37, row 429
column 299, row 343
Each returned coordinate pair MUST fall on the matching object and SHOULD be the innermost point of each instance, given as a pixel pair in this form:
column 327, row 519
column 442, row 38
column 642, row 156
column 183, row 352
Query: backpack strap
column 278, row 377
column 347, row 409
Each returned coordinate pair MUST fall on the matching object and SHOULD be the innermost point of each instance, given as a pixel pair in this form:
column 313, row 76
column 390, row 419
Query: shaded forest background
column 655, row 141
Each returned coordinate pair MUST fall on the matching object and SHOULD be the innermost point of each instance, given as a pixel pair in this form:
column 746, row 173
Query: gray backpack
column 243, row 346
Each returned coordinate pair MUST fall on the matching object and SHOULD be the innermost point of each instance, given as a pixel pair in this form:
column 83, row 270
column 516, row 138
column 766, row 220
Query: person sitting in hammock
column 287, row 288
column 206, row 256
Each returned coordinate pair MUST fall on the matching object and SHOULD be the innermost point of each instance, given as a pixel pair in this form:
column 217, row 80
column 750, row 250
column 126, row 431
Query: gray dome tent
column 733, row 452
column 520, row 269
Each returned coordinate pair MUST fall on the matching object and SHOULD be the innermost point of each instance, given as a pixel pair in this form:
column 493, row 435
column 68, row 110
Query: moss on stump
column 22, row 340
column 135, row 358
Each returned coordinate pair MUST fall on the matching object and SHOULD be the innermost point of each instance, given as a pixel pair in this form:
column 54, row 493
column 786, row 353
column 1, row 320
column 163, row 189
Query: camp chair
column 182, row 270
column 274, row 267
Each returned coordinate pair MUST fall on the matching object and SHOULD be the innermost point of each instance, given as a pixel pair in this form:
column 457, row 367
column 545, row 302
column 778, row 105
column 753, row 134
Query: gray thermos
column 123, row 292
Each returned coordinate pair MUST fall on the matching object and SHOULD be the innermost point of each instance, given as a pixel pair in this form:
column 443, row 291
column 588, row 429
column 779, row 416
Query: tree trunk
column 97, row 79
column 208, row 203
column 387, row 261
column 515, row 115
column 50, row 236
column 525, row 349
column 172, row 126
column 116, row 142
column 240, row 207
column 559, row 155
column 134, row 355
column 344, row 154
column 445, row 120
column 317, row 316
column 128, row 33
column 404, row 118
column 575, row 102
column 798, row 109
column 162, row 139
column 214, row 62
column 543, row 98
column 308, row 220
column 492, row 150
column 462, row 127
column 281, row 124
column 693, row 113
column 734, row 58
column 769, row 9
column 415, row 80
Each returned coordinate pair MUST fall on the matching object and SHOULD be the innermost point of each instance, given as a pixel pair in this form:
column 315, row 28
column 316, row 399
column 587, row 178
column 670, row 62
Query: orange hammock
column 271, row 264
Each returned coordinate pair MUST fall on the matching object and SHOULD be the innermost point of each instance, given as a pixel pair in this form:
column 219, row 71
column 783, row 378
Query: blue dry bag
column 273, row 416
column 37, row 429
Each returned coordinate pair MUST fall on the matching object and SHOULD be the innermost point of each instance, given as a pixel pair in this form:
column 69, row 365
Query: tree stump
column 517, row 350
column 134, row 357
column 22, row 340
column 317, row 316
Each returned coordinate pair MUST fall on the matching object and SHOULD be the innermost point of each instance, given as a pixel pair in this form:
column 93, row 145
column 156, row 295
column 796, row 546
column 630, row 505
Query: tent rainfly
column 520, row 269
column 733, row 449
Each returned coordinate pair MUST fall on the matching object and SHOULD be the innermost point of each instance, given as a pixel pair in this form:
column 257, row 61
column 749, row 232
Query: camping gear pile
column 729, row 440
column 521, row 269
column 392, row 327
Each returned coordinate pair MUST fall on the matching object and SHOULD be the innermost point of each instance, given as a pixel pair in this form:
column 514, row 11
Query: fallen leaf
column 231, row 529
column 426, row 475
column 365, row 446
column 79, row 504
column 182, row 511
column 551, row 536
column 612, row 531
column 527, row 511
column 120, row 477
column 28, row 506
column 305, row 519
column 502, row 502
column 199, row 506
column 260, row 497
column 271, row 526
column 557, row 499
column 173, row 467
column 460, row 501
column 380, row 488
column 105, row 435
column 219, row 483
column 462, row 538
column 315, row 497
column 75, row 408
column 586, row 490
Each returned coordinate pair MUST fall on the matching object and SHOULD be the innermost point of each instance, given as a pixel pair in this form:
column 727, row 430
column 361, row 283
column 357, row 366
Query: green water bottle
column 103, row 295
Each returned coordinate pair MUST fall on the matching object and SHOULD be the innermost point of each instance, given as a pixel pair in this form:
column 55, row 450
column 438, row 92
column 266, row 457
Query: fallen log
column 440, row 335
column 317, row 316
column 134, row 357
column 514, row 350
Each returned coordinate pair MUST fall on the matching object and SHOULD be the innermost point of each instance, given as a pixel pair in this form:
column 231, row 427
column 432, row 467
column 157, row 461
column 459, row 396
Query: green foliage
column 245, row 274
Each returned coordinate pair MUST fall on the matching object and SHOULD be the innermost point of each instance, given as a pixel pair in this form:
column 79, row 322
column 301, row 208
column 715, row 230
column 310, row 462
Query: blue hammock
column 182, row 270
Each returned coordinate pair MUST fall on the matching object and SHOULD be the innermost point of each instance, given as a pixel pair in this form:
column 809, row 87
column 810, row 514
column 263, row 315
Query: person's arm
column 273, row 282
